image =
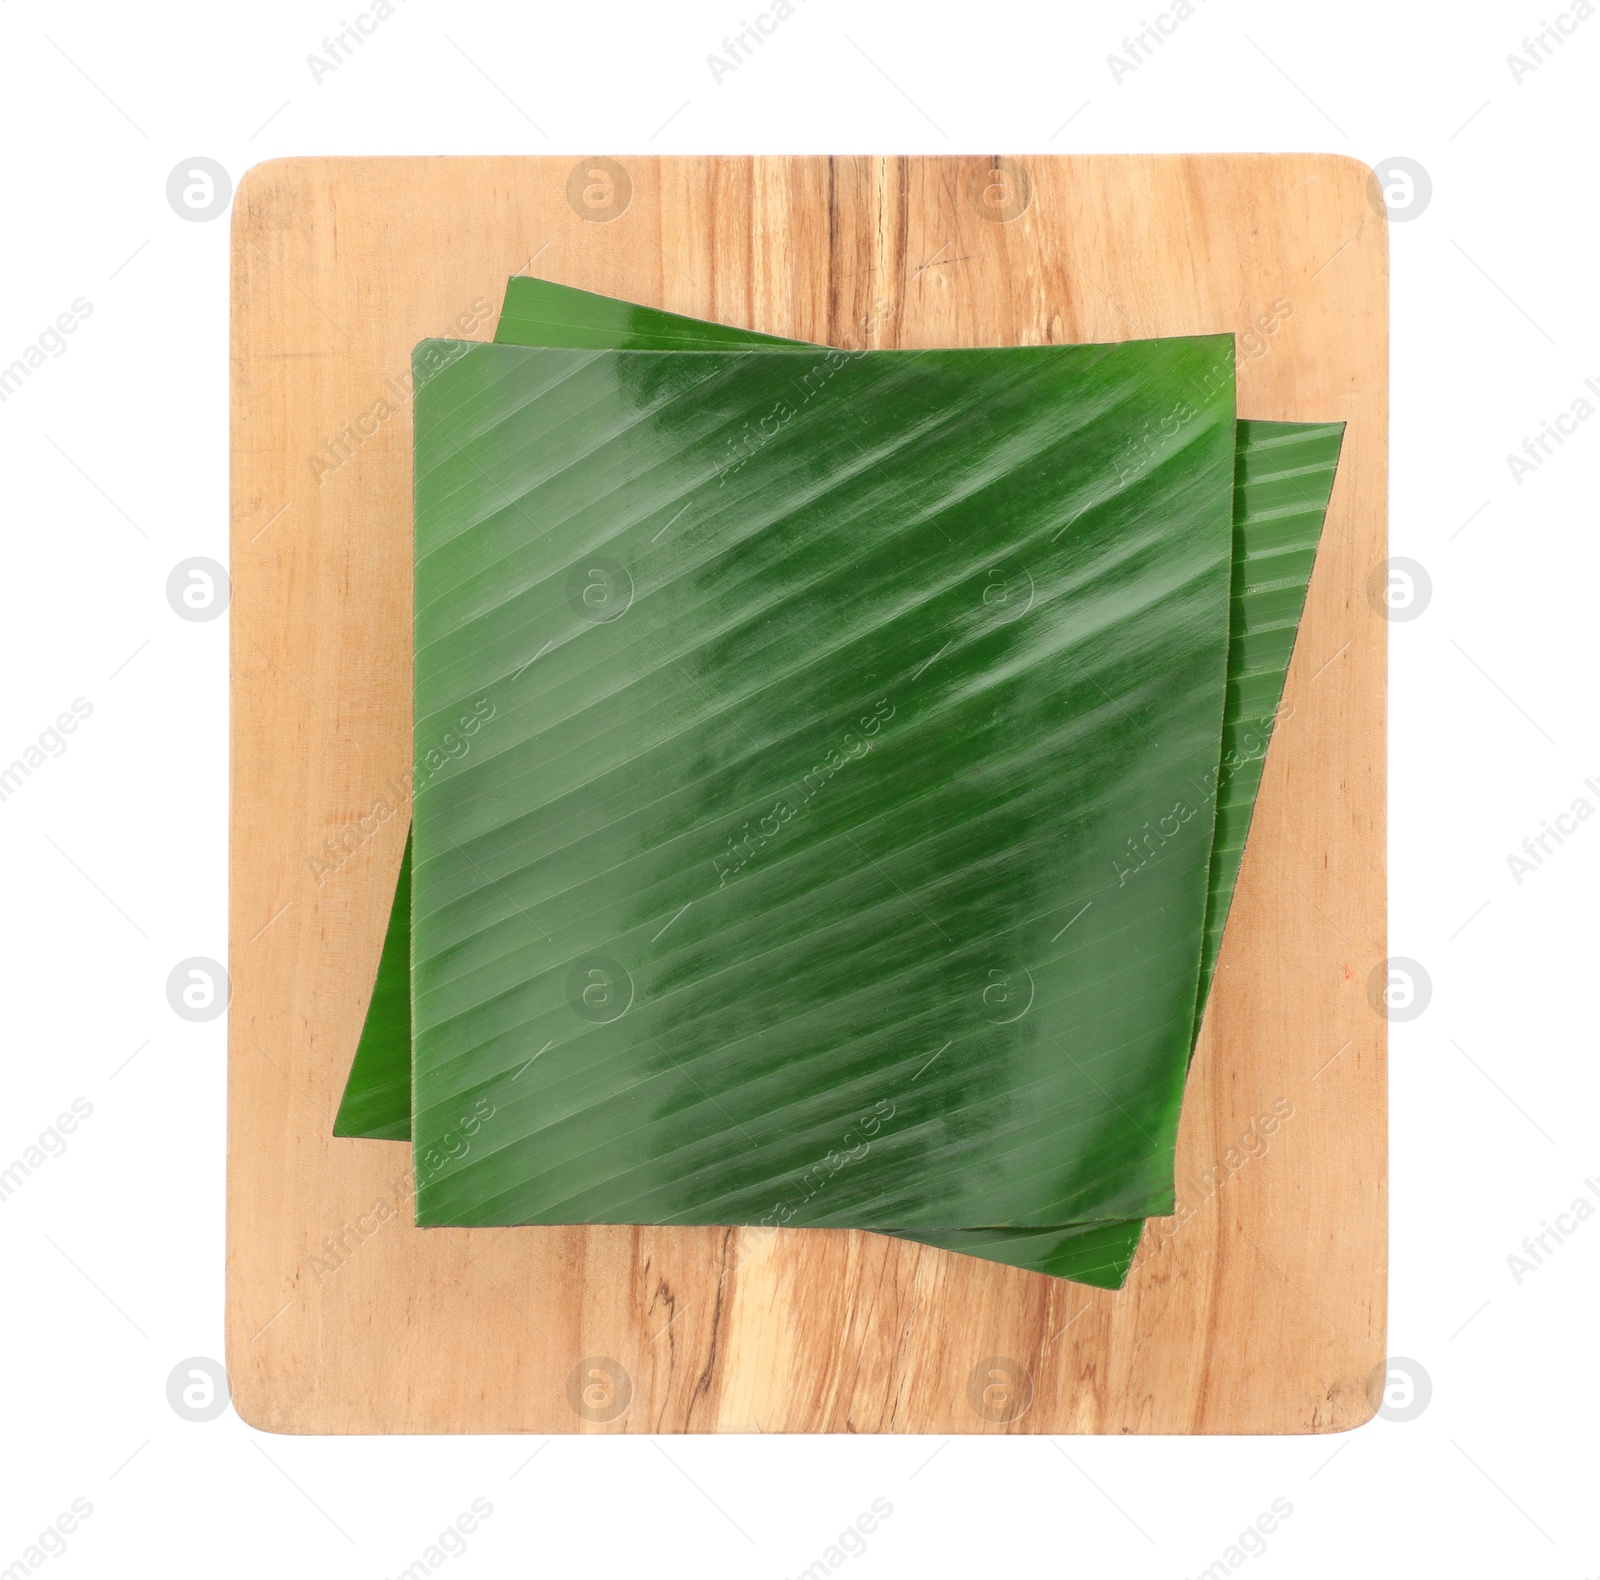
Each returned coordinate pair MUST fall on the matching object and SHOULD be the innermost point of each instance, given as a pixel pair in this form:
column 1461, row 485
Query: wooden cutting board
column 1261, row 1307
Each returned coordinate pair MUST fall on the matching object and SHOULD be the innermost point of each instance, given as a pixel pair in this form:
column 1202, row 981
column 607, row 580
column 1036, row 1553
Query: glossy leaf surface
column 542, row 313
column 1283, row 479
column 377, row 1097
column 781, row 890
column 1282, row 476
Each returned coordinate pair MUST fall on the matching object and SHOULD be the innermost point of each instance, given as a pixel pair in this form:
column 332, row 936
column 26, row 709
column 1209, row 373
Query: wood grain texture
column 1261, row 1308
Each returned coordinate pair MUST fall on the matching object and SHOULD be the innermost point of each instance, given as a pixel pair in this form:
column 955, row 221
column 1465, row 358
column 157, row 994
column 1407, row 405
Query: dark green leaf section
column 824, row 687
column 377, row 1097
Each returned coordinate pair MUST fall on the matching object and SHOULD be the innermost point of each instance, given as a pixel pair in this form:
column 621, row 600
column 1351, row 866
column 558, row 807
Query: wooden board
column 1262, row 1308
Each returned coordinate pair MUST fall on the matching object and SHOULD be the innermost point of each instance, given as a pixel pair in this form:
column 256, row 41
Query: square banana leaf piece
column 833, row 846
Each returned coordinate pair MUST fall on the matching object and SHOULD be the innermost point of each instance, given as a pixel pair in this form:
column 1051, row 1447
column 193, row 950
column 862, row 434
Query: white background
column 114, row 459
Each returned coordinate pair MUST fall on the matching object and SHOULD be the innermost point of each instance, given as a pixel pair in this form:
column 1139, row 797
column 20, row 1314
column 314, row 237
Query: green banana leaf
column 1283, row 479
column 536, row 309
column 541, row 313
column 1088, row 1253
column 1282, row 483
column 938, row 612
column 377, row 1097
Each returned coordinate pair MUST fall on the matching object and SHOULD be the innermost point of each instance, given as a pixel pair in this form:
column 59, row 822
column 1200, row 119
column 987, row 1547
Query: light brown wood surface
column 1263, row 1309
